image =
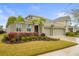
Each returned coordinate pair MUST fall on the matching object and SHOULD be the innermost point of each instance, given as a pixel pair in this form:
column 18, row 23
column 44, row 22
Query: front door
column 36, row 28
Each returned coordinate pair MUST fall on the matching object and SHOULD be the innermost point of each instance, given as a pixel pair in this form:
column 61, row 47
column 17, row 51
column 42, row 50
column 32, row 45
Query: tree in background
column 1, row 30
column 74, row 13
column 74, row 21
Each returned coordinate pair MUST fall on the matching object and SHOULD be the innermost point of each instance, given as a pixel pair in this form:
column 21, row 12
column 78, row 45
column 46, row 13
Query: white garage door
column 58, row 32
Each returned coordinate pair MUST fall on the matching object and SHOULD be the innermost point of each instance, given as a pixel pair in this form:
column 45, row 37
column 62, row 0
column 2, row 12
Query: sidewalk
column 71, row 51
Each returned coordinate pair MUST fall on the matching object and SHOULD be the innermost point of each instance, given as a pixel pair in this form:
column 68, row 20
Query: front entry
column 36, row 28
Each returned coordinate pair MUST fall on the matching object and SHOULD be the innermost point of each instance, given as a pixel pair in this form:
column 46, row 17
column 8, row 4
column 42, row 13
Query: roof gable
column 61, row 19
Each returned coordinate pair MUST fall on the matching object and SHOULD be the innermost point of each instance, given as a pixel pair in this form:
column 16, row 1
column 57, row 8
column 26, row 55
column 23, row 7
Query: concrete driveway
column 71, row 51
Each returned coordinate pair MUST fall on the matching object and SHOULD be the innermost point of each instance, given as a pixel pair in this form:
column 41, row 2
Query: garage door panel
column 58, row 32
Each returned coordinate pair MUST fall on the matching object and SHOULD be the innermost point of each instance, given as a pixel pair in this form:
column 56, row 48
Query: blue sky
column 51, row 10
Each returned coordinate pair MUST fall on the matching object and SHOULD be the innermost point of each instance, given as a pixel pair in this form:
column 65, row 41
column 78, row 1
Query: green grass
column 32, row 48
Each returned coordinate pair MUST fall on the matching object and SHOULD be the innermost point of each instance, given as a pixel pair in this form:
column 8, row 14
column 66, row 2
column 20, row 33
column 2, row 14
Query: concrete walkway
column 71, row 51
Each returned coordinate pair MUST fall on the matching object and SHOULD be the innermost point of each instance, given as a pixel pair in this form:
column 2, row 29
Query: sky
column 47, row 10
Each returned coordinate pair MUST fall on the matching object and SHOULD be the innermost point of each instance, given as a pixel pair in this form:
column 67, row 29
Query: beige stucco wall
column 11, row 28
column 60, row 23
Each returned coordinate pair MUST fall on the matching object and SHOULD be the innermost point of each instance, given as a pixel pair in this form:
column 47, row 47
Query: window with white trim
column 28, row 27
column 19, row 26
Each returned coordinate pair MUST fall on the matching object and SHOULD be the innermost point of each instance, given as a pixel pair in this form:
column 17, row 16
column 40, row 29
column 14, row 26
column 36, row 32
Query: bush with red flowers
column 18, row 37
column 14, row 34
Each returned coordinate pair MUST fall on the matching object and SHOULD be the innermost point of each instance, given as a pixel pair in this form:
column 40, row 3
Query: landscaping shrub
column 35, row 34
column 55, row 39
column 29, row 38
column 1, row 32
column 28, row 34
column 16, row 37
column 6, row 38
column 19, row 34
column 70, row 34
column 40, row 38
column 42, row 34
column 46, row 38
column 77, row 31
column 23, row 39
column 33, row 38
column 12, row 35
column 13, row 40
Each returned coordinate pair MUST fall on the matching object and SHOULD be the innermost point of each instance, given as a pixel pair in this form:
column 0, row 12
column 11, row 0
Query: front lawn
column 32, row 48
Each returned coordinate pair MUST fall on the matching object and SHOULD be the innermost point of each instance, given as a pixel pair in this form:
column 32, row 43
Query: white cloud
column 60, row 14
column 1, row 11
column 8, row 10
column 3, row 20
column 5, row 12
column 11, row 11
column 35, row 8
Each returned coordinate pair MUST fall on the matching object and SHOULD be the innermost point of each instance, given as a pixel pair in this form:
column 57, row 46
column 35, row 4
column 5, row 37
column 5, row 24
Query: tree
column 20, row 19
column 11, row 20
column 1, row 29
column 74, row 13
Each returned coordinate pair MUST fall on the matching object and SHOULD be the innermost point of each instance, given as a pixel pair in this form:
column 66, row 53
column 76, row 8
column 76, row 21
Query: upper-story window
column 30, row 17
column 19, row 25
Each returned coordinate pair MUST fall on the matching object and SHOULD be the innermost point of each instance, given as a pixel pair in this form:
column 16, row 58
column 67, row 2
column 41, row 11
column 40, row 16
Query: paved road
column 71, row 51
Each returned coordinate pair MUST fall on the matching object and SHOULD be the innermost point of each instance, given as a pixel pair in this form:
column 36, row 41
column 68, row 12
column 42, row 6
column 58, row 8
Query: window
column 18, row 29
column 28, row 27
column 19, row 26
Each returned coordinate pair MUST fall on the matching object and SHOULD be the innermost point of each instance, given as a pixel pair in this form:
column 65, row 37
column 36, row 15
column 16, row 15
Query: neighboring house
column 1, row 28
column 57, row 26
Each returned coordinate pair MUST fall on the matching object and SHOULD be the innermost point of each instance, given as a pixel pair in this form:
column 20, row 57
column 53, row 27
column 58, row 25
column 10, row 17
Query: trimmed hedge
column 42, row 34
column 21, row 34
column 25, row 37
column 70, row 34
